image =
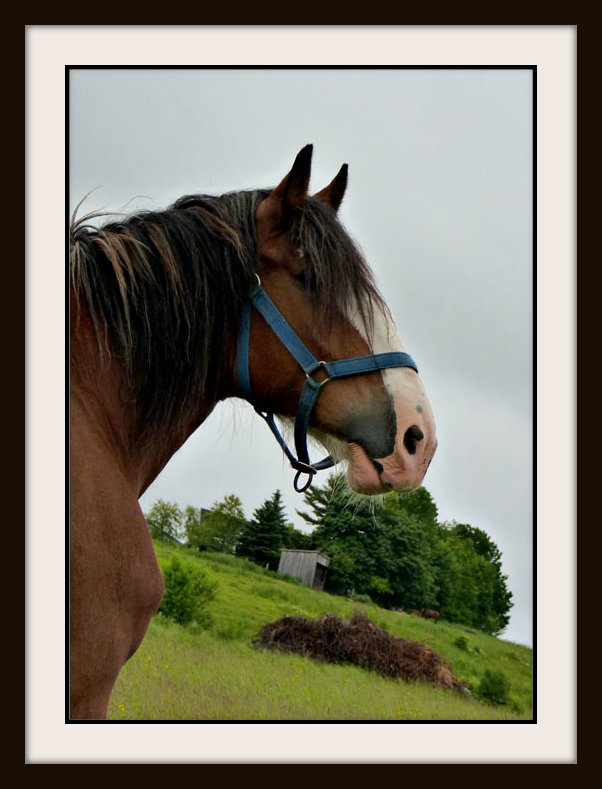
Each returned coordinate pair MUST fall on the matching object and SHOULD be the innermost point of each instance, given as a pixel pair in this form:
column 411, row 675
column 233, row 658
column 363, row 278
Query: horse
column 429, row 613
column 258, row 294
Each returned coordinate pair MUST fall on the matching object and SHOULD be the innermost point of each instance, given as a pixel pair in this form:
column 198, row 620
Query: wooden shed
column 309, row 566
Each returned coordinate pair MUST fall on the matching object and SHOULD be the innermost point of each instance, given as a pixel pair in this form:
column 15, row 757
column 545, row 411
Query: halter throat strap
column 261, row 301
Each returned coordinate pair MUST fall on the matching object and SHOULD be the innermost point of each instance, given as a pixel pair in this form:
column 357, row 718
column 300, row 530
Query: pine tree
column 265, row 535
column 349, row 532
column 297, row 539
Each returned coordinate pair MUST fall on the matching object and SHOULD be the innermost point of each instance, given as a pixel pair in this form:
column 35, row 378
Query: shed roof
column 295, row 550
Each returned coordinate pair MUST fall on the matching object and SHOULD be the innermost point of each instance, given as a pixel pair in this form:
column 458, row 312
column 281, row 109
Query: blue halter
column 311, row 389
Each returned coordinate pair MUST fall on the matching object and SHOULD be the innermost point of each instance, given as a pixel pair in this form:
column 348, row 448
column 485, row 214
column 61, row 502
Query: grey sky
column 439, row 199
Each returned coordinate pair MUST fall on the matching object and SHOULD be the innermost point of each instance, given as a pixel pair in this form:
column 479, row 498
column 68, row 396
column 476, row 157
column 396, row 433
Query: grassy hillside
column 194, row 674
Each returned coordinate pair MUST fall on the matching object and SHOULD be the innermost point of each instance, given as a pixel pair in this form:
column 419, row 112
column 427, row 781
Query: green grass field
column 187, row 673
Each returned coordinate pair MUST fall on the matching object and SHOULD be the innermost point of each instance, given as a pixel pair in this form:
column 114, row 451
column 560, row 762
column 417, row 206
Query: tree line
column 393, row 552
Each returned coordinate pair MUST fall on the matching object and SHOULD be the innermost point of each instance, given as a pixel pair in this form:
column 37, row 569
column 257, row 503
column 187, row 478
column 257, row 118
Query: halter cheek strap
column 260, row 300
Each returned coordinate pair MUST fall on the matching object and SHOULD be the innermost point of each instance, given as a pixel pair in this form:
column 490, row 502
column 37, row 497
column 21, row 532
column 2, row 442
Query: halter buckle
column 303, row 468
column 309, row 375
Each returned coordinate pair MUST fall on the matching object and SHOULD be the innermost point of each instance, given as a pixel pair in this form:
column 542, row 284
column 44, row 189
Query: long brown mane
column 164, row 289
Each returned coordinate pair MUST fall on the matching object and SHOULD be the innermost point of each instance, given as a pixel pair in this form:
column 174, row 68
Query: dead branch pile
column 360, row 642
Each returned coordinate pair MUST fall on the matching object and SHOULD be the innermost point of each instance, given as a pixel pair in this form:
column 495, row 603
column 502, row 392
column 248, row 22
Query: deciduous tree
column 220, row 528
column 164, row 520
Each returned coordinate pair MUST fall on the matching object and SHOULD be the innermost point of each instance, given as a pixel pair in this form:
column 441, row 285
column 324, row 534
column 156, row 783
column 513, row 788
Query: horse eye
column 306, row 279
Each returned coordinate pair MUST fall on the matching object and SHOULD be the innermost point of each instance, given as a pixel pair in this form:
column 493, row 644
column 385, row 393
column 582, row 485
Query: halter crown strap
column 311, row 389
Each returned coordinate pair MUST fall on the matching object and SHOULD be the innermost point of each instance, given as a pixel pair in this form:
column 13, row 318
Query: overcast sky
column 440, row 201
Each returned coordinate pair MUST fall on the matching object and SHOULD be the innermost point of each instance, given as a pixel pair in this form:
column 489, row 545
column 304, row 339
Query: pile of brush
column 360, row 642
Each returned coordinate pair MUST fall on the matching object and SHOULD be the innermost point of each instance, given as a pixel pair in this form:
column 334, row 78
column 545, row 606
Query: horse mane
column 164, row 290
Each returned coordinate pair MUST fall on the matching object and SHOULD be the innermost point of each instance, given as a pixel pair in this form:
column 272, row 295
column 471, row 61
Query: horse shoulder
column 115, row 581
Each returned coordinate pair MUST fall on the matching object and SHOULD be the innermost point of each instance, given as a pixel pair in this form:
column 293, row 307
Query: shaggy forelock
column 342, row 280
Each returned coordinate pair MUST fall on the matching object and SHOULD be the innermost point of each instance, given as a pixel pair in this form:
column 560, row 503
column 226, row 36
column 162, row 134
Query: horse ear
column 333, row 193
column 290, row 194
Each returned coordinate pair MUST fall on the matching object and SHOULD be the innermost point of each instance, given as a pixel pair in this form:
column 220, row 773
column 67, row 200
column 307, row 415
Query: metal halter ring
column 311, row 381
column 310, row 478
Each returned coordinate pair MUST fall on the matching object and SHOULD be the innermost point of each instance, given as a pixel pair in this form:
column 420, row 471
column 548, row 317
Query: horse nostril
column 412, row 435
column 378, row 466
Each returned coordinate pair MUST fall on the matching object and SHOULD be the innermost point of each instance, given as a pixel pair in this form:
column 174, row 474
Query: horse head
column 380, row 420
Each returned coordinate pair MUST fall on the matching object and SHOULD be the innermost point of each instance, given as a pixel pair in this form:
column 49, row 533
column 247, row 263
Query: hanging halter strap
column 311, row 389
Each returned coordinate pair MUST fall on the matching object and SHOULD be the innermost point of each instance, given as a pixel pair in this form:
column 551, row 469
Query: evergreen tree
column 265, row 535
column 349, row 532
column 295, row 538
column 320, row 499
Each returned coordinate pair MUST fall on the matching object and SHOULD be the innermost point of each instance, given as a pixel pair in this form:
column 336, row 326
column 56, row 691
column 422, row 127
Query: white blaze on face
column 402, row 470
column 402, row 382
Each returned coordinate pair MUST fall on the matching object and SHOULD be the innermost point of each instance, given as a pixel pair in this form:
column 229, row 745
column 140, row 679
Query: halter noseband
column 311, row 389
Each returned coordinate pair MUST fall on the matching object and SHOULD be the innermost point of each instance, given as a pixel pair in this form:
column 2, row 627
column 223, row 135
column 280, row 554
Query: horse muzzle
column 403, row 468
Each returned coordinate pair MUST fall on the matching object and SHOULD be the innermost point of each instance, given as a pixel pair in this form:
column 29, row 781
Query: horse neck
column 102, row 400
